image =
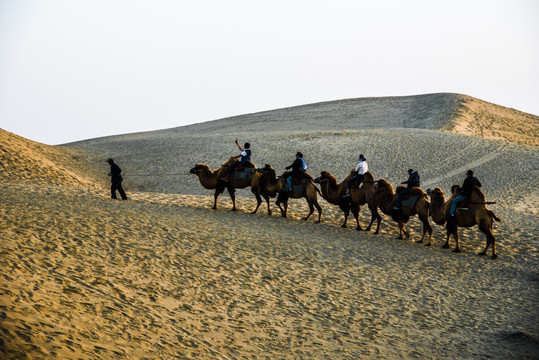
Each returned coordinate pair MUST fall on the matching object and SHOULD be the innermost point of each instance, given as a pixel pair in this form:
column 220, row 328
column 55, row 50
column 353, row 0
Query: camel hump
column 368, row 176
column 400, row 188
column 230, row 161
column 416, row 191
column 478, row 196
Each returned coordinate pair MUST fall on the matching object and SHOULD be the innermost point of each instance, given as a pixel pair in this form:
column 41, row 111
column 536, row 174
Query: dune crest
column 23, row 160
column 450, row 112
column 490, row 121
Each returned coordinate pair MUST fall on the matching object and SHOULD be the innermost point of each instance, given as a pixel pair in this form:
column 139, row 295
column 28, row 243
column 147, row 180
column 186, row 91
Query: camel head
column 199, row 168
column 324, row 176
column 455, row 189
column 436, row 192
column 268, row 170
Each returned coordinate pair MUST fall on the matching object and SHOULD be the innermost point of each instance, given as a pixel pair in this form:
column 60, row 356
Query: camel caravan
column 465, row 208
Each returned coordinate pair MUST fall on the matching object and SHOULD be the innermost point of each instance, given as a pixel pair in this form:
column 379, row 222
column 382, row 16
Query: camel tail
column 492, row 215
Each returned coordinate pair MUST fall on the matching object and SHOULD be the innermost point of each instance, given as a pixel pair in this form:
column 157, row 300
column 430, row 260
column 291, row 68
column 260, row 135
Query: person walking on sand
column 116, row 178
column 360, row 170
column 465, row 191
column 245, row 157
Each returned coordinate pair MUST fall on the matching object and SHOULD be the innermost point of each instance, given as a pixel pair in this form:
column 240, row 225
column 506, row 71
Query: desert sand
column 164, row 276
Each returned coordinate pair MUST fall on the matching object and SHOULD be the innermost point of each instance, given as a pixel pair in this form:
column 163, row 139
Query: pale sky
column 79, row 69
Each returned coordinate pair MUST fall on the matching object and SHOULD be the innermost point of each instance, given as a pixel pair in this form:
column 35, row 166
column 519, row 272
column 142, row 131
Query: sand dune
column 163, row 276
column 449, row 112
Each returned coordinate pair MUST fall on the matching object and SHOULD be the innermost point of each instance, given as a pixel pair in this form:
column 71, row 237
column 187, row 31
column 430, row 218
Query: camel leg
column 283, row 211
column 406, row 233
column 282, row 199
column 355, row 211
column 215, row 196
column 429, row 230
column 457, row 241
column 426, row 229
column 311, row 210
column 346, row 214
column 491, row 240
column 218, row 190
column 319, row 208
column 378, row 218
column 268, row 203
column 401, row 230
column 374, row 215
column 232, row 193
column 378, row 225
column 447, row 242
column 258, row 202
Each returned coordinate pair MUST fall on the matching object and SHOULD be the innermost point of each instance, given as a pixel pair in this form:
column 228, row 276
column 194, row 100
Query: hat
column 361, row 157
column 110, row 160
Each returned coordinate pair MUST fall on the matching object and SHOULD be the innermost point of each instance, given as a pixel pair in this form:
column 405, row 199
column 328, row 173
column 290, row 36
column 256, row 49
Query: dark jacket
column 115, row 173
column 413, row 180
column 297, row 167
column 246, row 158
column 468, row 186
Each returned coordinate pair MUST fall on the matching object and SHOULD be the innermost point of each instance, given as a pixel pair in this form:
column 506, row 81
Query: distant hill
column 448, row 112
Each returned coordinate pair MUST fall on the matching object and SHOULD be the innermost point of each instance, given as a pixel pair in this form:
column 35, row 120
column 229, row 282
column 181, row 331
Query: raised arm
column 238, row 145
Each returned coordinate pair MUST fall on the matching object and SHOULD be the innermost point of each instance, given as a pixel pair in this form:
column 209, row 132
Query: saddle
column 298, row 181
column 298, row 186
column 464, row 204
column 243, row 173
column 409, row 201
column 355, row 184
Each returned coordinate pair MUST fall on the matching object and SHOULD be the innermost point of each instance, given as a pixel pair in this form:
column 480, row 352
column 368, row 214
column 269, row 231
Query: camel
column 437, row 205
column 310, row 194
column 385, row 199
column 213, row 180
column 264, row 184
column 365, row 194
column 476, row 214
column 210, row 179
column 333, row 192
column 240, row 183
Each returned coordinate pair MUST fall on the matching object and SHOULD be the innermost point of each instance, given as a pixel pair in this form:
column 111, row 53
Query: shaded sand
column 164, row 276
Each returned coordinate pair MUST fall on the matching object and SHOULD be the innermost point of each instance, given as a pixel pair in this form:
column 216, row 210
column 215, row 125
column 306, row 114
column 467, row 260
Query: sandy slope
column 163, row 276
